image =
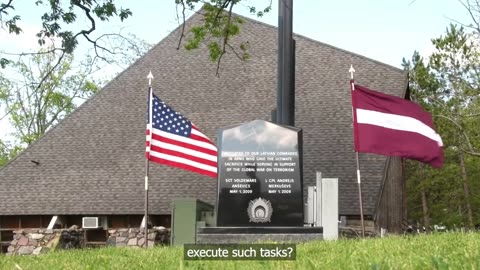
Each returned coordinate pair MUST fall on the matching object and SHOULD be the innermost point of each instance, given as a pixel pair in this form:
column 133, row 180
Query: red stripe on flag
column 200, row 138
column 368, row 99
column 183, row 166
column 160, row 138
column 391, row 142
column 183, row 155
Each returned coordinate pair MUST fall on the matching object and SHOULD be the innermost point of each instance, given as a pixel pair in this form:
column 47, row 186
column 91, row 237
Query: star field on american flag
column 175, row 141
column 166, row 119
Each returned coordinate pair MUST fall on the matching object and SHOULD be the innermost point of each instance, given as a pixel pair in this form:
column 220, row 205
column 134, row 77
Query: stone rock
column 73, row 227
column 131, row 235
column 53, row 243
column 132, row 242
column 124, row 234
column 11, row 249
column 25, row 250
column 159, row 228
column 48, row 231
column 123, row 230
column 23, row 241
column 14, row 242
column 33, row 242
column 36, row 236
column 141, row 241
column 121, row 239
column 122, row 244
column 18, row 232
column 151, row 244
column 112, row 231
column 152, row 235
column 41, row 231
column 111, row 241
column 37, row 251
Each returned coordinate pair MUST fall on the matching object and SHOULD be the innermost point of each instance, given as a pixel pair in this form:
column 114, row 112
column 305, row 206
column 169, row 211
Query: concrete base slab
column 233, row 235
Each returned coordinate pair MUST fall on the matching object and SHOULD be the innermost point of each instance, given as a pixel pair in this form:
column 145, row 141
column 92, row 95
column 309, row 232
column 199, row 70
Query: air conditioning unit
column 90, row 223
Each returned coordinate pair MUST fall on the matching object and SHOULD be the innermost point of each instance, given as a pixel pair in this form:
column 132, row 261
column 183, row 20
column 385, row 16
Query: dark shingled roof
column 93, row 161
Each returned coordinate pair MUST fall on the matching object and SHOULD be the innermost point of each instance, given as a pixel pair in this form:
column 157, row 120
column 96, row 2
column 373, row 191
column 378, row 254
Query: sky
column 384, row 30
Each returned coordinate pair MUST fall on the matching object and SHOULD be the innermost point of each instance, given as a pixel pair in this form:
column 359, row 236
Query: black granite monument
column 260, row 176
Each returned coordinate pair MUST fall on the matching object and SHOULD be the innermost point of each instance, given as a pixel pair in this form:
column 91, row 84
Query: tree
column 448, row 86
column 7, row 152
column 33, row 110
column 216, row 29
column 4, row 154
column 457, row 64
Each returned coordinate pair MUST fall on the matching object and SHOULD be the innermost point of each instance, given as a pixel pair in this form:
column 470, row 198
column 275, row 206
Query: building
column 92, row 163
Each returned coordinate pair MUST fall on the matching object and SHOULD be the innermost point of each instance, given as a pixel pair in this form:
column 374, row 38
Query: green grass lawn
column 437, row 251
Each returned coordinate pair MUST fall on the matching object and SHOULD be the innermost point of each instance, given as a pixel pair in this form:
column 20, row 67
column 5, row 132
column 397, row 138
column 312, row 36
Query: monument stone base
column 247, row 235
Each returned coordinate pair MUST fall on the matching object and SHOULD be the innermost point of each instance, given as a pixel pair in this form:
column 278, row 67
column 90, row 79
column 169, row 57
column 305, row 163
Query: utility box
column 186, row 213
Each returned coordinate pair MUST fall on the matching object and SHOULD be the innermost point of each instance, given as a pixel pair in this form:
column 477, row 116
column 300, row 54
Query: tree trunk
column 466, row 190
column 426, row 213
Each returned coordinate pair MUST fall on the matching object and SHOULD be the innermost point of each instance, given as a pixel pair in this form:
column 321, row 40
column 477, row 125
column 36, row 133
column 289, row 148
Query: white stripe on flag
column 397, row 122
column 184, row 139
column 185, row 161
column 184, row 150
column 198, row 133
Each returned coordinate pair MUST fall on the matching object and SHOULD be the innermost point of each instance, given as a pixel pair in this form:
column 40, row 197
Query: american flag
column 176, row 142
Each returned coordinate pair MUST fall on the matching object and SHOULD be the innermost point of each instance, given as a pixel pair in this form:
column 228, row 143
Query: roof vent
column 90, row 222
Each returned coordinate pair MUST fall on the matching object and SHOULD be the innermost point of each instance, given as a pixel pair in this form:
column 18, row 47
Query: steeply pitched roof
column 93, row 161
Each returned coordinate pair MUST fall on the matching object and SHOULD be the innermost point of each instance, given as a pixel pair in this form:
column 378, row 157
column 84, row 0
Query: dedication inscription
column 260, row 175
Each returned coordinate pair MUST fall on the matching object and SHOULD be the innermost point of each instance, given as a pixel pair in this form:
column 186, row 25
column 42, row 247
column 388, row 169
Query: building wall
column 391, row 207
column 28, row 234
column 38, row 241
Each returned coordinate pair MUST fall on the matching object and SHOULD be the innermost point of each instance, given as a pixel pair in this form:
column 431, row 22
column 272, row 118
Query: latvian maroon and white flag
column 392, row 126
column 175, row 141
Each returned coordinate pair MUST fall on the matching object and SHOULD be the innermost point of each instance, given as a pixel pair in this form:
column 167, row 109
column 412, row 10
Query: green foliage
column 448, row 86
column 438, row 251
column 218, row 27
column 61, row 15
column 33, row 107
column 4, row 62
column 4, row 154
column 34, row 96
column 259, row 13
column 7, row 152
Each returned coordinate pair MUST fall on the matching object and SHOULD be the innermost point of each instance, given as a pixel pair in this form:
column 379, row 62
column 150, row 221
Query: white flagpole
column 149, row 140
column 352, row 85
